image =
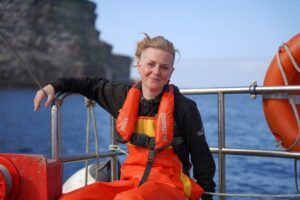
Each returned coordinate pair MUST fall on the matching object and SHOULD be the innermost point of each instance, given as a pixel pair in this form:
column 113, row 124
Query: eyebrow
column 164, row 65
column 160, row 64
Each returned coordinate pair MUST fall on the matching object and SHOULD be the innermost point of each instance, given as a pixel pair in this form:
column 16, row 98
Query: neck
column 149, row 94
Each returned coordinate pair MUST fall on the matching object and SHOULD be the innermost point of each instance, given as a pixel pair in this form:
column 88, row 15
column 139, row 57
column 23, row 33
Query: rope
column 96, row 139
column 89, row 103
column 291, row 57
column 295, row 142
column 87, row 145
column 90, row 112
column 253, row 195
column 115, row 147
column 23, row 64
column 291, row 101
column 281, row 69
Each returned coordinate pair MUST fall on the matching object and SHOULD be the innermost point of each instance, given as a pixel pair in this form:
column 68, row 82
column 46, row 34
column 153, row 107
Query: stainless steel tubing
column 221, row 144
column 113, row 141
column 88, row 156
column 54, row 132
column 254, row 152
column 238, row 90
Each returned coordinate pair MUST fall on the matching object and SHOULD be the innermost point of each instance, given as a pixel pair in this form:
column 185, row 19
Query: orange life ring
column 282, row 112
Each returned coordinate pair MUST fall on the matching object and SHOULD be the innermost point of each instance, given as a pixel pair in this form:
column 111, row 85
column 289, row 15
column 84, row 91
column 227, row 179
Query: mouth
column 155, row 79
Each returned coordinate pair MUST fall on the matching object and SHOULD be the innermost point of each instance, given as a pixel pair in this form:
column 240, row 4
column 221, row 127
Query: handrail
column 230, row 151
column 255, row 152
column 54, row 132
column 113, row 141
column 240, row 90
column 221, row 142
column 89, row 156
column 222, row 150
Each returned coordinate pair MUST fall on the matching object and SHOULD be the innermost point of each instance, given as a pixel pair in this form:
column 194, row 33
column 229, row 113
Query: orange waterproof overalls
column 151, row 171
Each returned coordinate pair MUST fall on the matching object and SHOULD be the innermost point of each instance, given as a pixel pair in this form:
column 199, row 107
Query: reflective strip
column 295, row 98
column 187, row 186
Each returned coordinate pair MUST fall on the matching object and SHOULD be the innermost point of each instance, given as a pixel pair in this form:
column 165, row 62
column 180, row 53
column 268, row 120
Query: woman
column 161, row 127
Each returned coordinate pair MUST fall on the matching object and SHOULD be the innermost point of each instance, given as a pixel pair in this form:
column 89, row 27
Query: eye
column 151, row 64
column 164, row 67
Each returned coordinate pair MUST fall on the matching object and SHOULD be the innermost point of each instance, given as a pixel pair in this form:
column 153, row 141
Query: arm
column 201, row 157
column 108, row 94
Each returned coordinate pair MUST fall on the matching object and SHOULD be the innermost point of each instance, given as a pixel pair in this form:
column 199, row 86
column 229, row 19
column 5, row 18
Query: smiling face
column 155, row 67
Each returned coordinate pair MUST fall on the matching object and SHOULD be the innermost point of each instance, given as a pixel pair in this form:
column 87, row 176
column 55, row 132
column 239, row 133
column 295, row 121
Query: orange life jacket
column 128, row 115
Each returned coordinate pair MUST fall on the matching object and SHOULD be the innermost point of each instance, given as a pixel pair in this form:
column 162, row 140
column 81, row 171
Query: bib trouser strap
column 151, row 158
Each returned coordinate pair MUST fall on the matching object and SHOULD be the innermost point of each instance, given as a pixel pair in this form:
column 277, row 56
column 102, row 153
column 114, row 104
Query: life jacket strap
column 141, row 140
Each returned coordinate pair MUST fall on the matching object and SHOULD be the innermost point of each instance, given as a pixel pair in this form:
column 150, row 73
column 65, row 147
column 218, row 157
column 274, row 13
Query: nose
column 156, row 70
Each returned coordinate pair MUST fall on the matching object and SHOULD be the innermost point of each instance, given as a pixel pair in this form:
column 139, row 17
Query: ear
column 139, row 66
column 171, row 72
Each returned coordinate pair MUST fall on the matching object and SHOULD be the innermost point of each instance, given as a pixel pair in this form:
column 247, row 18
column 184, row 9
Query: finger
column 36, row 108
column 49, row 100
column 37, row 100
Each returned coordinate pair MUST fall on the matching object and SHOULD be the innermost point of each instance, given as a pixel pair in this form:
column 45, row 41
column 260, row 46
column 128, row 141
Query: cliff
column 55, row 38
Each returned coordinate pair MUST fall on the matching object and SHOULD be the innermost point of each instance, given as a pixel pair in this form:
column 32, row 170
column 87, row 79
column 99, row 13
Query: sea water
column 24, row 131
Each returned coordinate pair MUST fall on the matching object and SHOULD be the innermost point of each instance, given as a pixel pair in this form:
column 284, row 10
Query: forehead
column 157, row 55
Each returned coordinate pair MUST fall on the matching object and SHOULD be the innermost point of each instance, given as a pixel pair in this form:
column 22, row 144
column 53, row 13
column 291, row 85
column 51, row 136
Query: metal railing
column 221, row 150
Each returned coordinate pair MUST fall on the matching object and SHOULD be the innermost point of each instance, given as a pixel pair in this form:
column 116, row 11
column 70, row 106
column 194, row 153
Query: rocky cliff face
column 55, row 38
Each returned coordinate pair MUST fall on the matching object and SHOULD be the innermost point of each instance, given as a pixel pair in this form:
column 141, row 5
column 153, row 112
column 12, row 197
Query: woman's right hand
column 40, row 94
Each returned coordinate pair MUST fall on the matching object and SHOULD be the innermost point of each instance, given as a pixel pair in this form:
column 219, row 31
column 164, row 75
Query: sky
column 222, row 43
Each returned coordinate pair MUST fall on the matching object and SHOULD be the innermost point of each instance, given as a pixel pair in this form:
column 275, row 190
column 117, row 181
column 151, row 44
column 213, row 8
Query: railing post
column 221, row 144
column 54, row 132
column 114, row 159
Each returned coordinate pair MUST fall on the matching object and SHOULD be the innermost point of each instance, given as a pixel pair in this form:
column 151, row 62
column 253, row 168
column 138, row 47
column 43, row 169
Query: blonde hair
column 158, row 42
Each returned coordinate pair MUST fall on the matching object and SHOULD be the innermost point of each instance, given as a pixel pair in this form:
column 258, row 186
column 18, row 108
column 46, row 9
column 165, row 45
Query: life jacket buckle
column 141, row 140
